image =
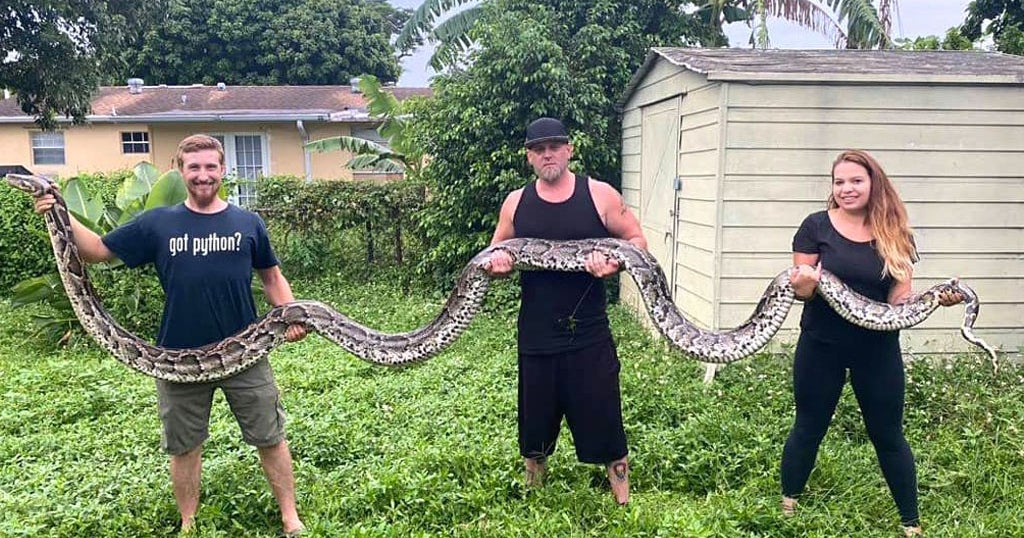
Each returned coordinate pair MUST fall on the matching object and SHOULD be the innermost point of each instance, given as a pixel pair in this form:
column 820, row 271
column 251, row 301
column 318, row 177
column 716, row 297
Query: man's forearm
column 639, row 242
column 90, row 245
column 277, row 296
column 278, row 291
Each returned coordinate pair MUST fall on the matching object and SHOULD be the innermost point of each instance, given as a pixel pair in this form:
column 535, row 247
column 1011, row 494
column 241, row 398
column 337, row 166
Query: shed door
column 659, row 155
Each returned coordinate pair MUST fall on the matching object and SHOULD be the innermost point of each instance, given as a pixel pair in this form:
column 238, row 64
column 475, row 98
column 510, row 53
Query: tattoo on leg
column 620, row 470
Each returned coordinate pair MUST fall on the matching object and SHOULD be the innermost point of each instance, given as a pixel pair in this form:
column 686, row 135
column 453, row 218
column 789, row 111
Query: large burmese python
column 242, row 350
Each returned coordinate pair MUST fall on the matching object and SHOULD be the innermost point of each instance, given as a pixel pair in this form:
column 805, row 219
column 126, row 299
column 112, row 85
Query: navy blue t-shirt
column 205, row 264
column 857, row 264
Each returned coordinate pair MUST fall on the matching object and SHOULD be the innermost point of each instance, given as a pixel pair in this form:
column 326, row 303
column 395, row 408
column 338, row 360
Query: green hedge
column 24, row 244
column 329, row 226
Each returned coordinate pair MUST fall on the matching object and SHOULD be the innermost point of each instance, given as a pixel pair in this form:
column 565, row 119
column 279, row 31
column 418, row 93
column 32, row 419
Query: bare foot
column 913, row 531
column 535, row 469
column 188, row 527
column 294, row 529
column 618, row 477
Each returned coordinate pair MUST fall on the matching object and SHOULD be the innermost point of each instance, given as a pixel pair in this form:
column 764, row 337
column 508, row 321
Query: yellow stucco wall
column 97, row 147
column 87, row 148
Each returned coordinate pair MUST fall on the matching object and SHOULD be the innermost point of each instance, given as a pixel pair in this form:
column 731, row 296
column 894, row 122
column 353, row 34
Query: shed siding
column 697, row 168
column 954, row 153
column 631, row 190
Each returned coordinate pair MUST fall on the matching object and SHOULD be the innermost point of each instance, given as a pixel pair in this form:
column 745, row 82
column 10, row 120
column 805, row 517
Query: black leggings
column 876, row 373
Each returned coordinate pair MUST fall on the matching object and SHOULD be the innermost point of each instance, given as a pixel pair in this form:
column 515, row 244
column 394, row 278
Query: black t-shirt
column 205, row 264
column 856, row 263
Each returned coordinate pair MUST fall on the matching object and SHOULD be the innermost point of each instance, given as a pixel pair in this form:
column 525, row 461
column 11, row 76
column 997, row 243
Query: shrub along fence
column 316, row 222
column 24, row 244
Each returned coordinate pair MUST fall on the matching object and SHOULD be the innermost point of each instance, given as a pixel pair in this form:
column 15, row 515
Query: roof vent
column 354, row 82
column 184, row 98
column 135, row 85
column 221, row 86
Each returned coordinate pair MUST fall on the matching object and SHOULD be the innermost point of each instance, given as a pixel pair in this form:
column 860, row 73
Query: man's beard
column 205, row 198
column 550, row 173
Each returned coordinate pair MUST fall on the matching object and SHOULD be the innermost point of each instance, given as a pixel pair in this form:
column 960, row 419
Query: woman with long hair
column 863, row 237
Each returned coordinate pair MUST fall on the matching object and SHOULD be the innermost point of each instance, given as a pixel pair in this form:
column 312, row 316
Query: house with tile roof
column 263, row 129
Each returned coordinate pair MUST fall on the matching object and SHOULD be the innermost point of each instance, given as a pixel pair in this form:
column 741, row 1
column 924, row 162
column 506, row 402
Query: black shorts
column 582, row 386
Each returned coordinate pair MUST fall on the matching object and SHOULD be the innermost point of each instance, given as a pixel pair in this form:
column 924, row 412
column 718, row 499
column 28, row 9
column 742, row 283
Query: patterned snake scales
column 242, row 350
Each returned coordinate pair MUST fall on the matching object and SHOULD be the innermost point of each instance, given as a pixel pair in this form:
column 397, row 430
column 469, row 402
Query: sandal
column 788, row 506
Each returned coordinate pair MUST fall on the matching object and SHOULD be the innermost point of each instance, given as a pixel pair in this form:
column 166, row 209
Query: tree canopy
column 566, row 58
column 953, row 40
column 1001, row 19
column 51, row 50
column 266, row 42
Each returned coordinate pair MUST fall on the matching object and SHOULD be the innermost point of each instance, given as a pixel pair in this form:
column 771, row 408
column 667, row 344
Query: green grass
column 430, row 450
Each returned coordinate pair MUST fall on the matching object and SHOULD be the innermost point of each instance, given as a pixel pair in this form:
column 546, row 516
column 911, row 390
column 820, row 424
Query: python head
column 34, row 185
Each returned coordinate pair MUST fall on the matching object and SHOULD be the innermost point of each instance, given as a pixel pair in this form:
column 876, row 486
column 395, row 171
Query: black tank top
column 560, row 311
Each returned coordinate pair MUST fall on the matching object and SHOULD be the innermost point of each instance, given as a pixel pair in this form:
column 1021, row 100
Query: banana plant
column 145, row 189
column 451, row 35
column 845, row 23
column 397, row 156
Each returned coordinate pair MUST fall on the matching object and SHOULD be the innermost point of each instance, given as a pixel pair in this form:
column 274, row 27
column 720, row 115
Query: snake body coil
column 243, row 349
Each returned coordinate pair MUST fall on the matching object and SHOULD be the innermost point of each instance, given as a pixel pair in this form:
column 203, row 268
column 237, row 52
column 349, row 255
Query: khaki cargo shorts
column 252, row 396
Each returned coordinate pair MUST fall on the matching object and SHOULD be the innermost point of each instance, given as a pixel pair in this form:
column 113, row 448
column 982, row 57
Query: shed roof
column 234, row 103
column 839, row 66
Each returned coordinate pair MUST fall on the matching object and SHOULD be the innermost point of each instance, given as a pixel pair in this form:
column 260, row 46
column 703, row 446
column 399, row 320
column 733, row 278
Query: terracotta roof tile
column 240, row 100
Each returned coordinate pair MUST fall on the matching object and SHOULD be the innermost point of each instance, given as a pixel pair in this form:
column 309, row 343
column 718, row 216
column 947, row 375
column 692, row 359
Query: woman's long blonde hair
column 887, row 217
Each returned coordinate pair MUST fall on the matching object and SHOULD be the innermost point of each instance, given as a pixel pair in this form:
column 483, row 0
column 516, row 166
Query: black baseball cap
column 545, row 130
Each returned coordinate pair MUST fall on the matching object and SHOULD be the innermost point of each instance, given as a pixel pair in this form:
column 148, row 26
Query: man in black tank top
column 568, row 365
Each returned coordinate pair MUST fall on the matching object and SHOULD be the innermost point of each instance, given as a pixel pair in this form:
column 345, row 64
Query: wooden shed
column 725, row 151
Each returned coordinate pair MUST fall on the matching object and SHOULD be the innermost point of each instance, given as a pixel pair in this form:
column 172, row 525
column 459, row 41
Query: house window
column 246, row 157
column 48, row 147
column 135, row 142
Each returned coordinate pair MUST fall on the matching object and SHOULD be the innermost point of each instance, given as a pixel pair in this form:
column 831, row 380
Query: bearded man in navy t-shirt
column 205, row 251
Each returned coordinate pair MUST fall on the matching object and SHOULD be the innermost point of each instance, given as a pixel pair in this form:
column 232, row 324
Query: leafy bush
column 132, row 297
column 24, row 246
column 322, row 224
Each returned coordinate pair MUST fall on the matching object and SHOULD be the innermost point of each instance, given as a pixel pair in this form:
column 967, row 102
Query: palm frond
column 760, row 34
column 811, row 15
column 379, row 103
column 350, row 144
column 456, row 28
column 452, row 37
column 864, row 28
column 378, row 163
column 888, row 11
column 422, row 20
column 445, row 55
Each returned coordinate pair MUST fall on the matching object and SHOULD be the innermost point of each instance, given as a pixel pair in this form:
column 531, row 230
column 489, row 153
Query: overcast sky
column 916, row 18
